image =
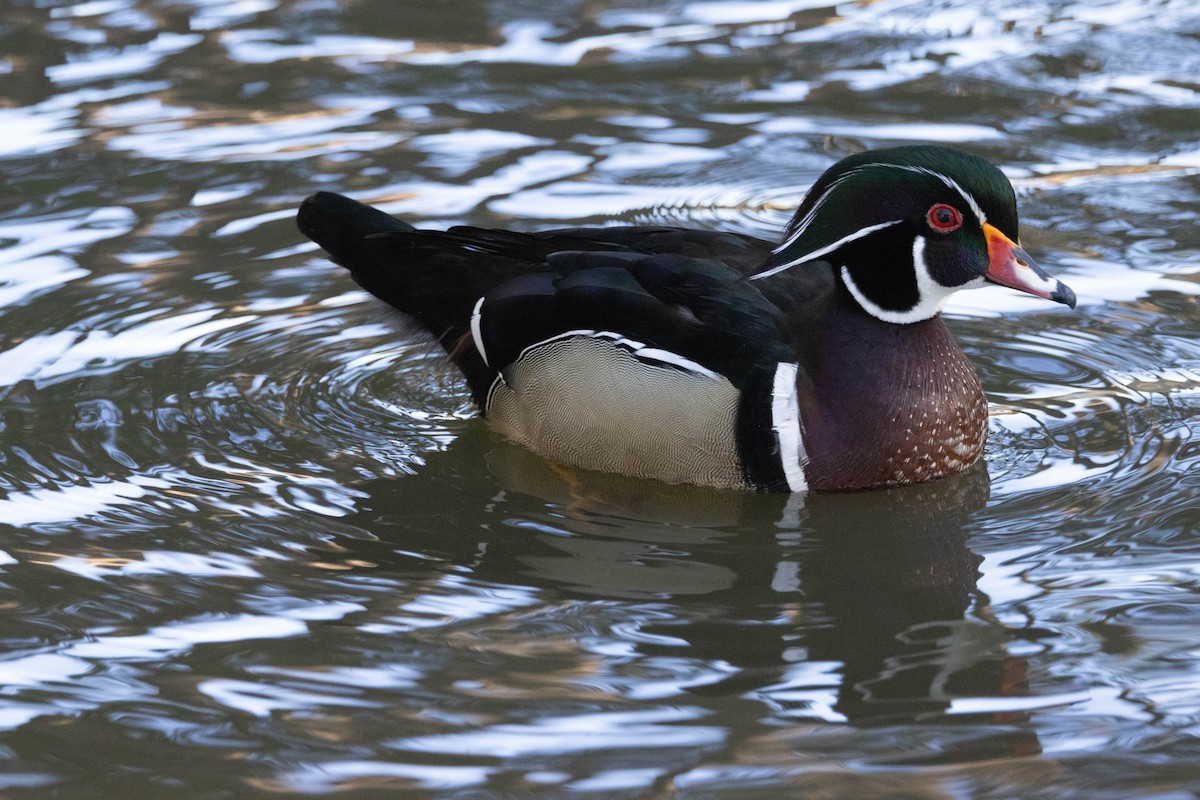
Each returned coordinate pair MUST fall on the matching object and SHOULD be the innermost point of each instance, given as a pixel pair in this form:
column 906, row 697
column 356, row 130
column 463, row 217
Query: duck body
column 717, row 358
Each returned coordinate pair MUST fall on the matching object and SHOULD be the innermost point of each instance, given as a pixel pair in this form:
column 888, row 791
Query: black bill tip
column 1063, row 294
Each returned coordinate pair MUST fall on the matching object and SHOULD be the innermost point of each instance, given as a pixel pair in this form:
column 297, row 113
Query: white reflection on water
column 638, row 156
column 70, row 353
column 999, row 705
column 40, row 669
column 104, row 64
column 808, row 690
column 531, row 42
column 256, row 47
column 453, row 598
column 32, row 130
column 429, row 198
column 36, row 259
column 724, row 12
column 477, row 144
column 71, row 502
column 84, row 661
column 916, row 132
column 618, row 779
column 325, row 777
column 287, row 137
column 160, row 562
column 176, row 638
column 649, row 728
column 264, row 699
column 219, row 14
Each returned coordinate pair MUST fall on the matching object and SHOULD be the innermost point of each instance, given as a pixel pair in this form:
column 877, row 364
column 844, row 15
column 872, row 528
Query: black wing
column 680, row 290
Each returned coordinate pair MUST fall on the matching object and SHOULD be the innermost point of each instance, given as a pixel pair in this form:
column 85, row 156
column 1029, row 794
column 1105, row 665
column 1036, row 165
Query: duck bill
column 1009, row 265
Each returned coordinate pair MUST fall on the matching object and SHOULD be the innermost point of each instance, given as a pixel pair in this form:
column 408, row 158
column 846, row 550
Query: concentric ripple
column 252, row 544
column 1082, row 406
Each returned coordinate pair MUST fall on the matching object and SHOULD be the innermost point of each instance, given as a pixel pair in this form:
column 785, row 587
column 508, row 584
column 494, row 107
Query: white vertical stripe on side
column 785, row 419
column 476, row 315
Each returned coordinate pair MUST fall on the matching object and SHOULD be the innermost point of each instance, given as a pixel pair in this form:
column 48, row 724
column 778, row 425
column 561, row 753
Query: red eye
column 943, row 218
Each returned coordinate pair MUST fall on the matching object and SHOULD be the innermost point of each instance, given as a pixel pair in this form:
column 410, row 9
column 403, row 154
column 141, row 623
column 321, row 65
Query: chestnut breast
column 885, row 404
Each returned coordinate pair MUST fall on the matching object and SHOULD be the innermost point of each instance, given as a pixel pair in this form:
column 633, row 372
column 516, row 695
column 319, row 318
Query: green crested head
column 906, row 227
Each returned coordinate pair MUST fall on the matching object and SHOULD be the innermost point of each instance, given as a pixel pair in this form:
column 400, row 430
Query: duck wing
column 672, row 289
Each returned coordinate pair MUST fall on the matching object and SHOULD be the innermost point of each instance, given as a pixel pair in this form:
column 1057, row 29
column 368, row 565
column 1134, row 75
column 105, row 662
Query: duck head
column 906, row 227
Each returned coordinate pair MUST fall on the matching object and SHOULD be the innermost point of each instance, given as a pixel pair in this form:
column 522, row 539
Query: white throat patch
column 931, row 295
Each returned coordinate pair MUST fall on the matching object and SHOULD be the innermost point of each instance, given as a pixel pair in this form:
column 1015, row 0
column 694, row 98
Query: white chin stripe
column 785, row 419
column 931, row 295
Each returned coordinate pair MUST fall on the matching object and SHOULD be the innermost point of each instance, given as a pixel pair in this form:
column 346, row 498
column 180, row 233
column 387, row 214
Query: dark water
column 253, row 543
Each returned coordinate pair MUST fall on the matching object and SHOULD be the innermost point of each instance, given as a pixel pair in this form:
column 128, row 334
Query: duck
column 818, row 363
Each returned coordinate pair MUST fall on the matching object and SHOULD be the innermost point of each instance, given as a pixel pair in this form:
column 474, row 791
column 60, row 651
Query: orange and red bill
column 1009, row 265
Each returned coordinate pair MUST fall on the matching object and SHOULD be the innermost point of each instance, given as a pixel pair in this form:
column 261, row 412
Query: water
column 253, row 543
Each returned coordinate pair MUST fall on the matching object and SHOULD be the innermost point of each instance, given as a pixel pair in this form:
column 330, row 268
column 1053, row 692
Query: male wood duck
column 713, row 358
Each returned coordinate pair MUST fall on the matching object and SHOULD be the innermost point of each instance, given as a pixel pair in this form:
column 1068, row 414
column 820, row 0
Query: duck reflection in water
column 875, row 594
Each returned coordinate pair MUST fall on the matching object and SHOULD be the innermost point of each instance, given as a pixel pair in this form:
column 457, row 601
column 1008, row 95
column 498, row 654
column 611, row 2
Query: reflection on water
column 253, row 542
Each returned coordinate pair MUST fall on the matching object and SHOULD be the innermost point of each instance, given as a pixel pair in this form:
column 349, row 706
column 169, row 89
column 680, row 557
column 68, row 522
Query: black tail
column 340, row 224
column 383, row 256
column 413, row 271
column 433, row 276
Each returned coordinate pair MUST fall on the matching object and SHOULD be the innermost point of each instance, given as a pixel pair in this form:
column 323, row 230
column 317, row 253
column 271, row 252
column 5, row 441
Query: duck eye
column 943, row 218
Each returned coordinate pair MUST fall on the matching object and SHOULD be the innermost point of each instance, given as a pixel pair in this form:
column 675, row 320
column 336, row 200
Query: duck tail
column 340, row 224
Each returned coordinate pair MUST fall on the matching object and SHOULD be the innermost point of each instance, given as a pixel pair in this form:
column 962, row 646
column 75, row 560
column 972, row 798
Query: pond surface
column 253, row 542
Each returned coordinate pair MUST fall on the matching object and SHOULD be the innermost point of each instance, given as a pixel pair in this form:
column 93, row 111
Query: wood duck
column 714, row 358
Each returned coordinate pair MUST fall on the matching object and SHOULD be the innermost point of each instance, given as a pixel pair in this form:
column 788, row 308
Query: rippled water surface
column 253, row 542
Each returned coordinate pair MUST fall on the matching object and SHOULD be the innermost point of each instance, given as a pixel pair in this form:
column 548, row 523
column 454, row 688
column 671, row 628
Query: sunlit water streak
column 253, row 542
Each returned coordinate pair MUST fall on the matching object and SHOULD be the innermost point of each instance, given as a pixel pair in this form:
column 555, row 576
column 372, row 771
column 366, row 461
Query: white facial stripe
column 815, row 254
column 476, row 318
column 803, row 224
column 806, row 220
column 953, row 184
column 785, row 420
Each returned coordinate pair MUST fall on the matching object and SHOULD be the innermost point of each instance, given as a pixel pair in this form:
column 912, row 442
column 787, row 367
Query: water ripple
column 243, row 512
